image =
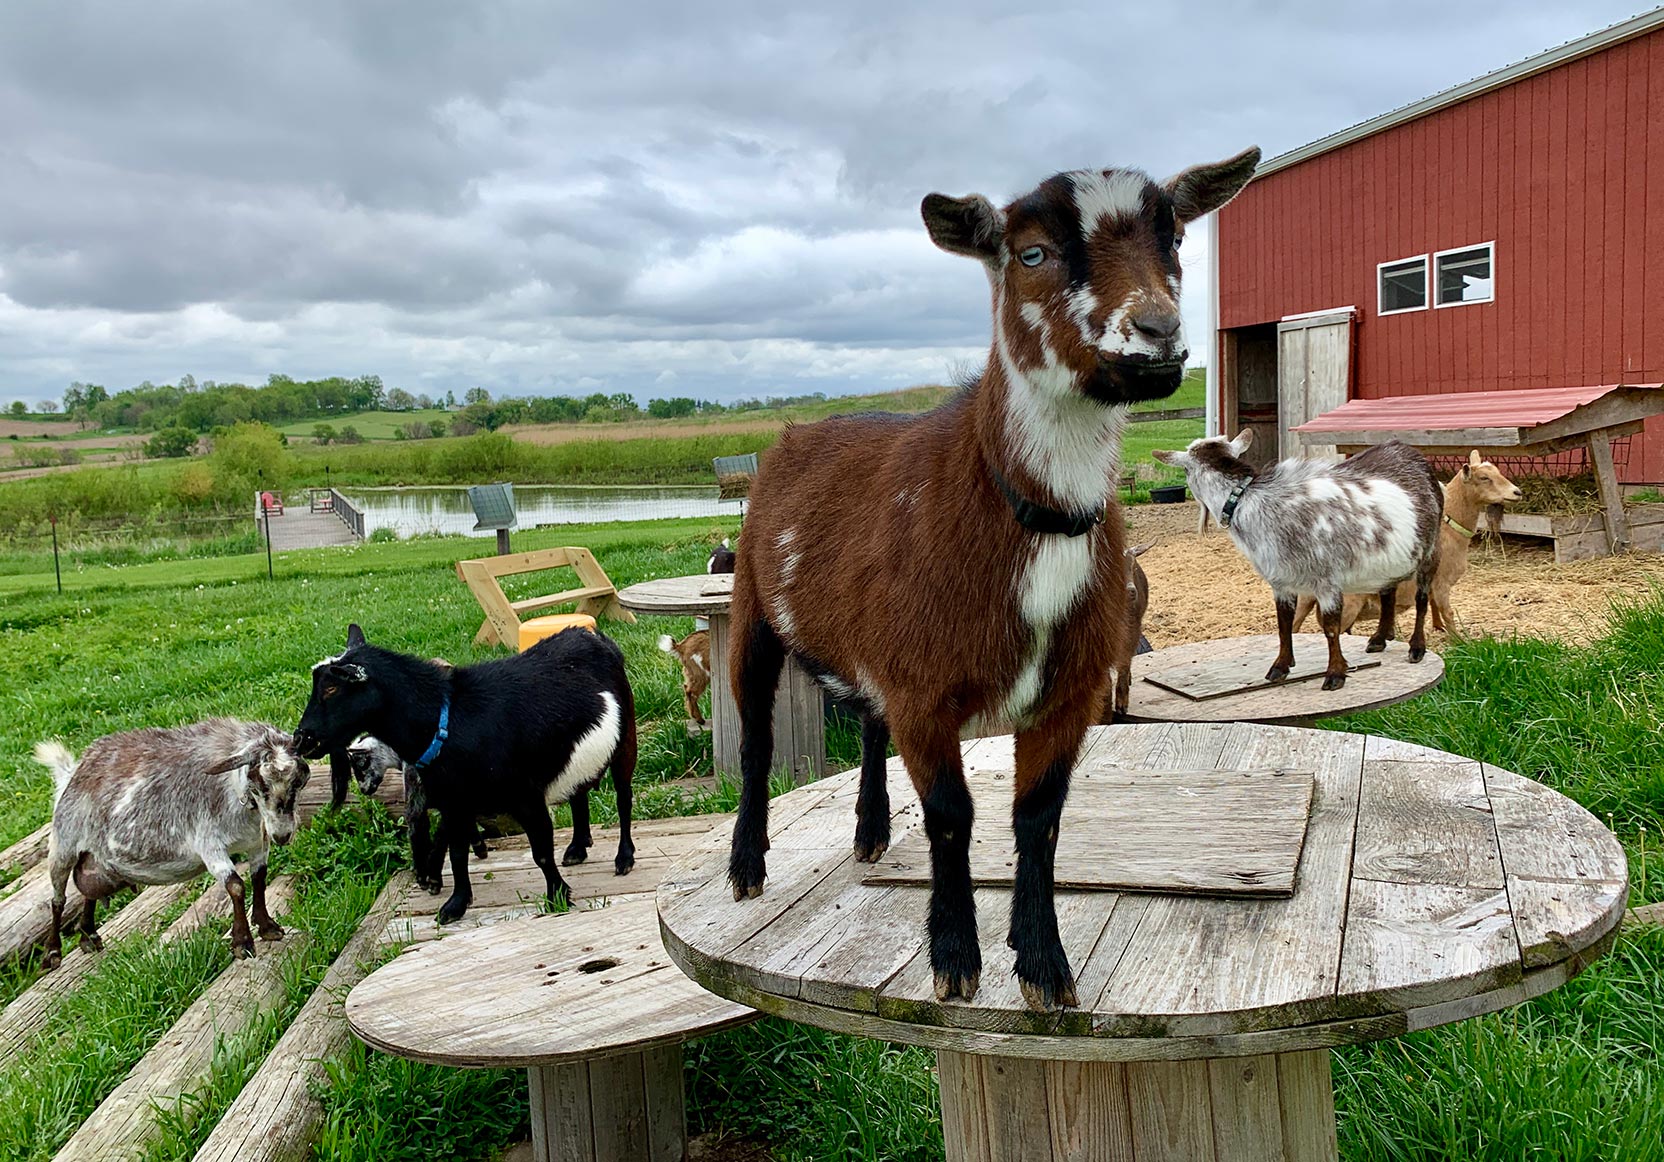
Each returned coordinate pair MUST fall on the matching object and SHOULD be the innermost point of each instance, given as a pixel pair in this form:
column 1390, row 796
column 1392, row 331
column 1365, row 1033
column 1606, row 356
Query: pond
column 413, row 511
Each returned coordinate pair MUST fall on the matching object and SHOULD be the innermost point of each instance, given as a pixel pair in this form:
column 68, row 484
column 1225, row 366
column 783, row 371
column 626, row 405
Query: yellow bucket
column 538, row 628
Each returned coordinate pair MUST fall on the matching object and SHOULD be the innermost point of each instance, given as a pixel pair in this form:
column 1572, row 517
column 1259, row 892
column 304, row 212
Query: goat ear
column 969, row 226
column 1176, row 459
column 1202, row 189
column 348, row 673
column 1474, row 459
column 1141, row 549
column 1242, row 442
column 355, row 636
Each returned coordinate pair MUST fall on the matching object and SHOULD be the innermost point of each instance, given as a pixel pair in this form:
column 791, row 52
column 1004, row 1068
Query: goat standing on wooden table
column 161, row 806
column 1469, row 493
column 515, row 736
column 1308, row 526
column 968, row 563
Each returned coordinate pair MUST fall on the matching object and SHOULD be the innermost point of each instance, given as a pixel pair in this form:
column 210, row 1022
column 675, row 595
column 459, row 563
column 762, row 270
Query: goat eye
column 1033, row 256
column 331, row 691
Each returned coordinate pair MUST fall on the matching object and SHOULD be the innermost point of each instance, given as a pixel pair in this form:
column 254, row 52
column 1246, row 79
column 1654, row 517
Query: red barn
column 1504, row 234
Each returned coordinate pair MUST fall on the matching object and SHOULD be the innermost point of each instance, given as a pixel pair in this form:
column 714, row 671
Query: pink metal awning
column 1524, row 408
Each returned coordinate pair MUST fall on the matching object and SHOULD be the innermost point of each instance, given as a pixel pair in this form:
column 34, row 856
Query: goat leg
column 1384, row 627
column 578, row 850
column 623, row 765
column 758, row 658
column 1286, row 603
column 268, row 928
column 462, row 891
column 91, row 941
column 533, row 816
column 872, row 804
column 242, row 940
column 955, row 950
column 1418, row 639
column 57, row 870
column 1043, row 971
column 1329, row 616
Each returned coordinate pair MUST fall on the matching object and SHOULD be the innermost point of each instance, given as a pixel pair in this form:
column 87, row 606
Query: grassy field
column 370, row 425
column 1578, row 1074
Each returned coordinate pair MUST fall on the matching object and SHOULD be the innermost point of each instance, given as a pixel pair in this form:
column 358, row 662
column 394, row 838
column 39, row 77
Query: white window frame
column 1426, row 261
column 1433, row 275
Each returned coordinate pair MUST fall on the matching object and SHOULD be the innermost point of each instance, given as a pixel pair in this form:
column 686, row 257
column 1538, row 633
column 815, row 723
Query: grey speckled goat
column 1309, row 526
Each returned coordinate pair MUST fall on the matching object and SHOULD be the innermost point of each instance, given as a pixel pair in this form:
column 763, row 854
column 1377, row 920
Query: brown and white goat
column 1308, row 526
column 1132, row 630
column 694, row 652
column 986, row 537
column 161, row 806
column 1467, row 495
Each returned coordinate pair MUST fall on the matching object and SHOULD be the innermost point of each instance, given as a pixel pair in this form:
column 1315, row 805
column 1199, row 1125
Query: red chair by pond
column 271, row 504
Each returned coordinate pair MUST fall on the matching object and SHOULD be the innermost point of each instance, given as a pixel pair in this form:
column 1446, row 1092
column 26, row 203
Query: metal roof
column 1462, row 410
column 1530, row 66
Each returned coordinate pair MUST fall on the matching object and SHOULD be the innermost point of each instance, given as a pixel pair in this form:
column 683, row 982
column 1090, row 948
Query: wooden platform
column 1210, row 833
column 1579, row 536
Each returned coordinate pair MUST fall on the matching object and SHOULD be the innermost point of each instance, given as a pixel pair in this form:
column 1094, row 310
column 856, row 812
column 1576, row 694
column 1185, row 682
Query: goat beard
column 1124, row 382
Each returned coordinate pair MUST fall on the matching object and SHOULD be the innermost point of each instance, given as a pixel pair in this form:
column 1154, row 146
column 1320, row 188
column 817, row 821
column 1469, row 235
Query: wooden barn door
column 1314, row 375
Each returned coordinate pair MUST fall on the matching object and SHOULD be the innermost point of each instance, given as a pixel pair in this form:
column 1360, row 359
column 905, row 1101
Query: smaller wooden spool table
column 587, row 1003
column 1390, row 677
column 1430, row 888
column 799, row 711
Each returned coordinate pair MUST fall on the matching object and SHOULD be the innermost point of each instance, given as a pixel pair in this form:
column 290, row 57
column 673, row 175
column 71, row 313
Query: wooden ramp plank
column 28, row 1011
column 1204, row 832
column 180, row 1062
column 29, row 850
column 275, row 1116
column 26, row 911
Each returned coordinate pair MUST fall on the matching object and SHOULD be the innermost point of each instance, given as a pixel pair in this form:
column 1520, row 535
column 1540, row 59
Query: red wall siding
column 1563, row 170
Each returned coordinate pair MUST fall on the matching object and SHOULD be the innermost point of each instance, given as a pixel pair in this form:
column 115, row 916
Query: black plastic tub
column 1167, row 494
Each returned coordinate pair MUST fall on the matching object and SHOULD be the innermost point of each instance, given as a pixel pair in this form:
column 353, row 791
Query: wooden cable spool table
column 587, row 1003
column 1430, row 888
column 799, row 712
column 1241, row 662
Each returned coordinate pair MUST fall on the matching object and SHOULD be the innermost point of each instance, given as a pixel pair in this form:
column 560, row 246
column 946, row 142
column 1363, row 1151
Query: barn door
column 1314, row 375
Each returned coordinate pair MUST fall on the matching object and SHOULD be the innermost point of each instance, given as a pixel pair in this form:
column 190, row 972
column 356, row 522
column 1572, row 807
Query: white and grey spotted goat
column 159, row 806
column 1308, row 526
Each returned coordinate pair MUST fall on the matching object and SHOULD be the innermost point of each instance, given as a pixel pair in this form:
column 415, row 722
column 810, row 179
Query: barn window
column 1403, row 285
column 1463, row 276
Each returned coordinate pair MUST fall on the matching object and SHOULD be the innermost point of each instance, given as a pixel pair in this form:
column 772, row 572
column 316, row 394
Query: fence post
column 56, row 570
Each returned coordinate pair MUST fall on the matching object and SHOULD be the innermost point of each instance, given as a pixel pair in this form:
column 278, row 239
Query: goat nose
column 1157, row 324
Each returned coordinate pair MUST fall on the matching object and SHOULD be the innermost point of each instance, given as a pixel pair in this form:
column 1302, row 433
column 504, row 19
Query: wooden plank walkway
column 275, row 1116
column 299, row 529
column 181, row 1061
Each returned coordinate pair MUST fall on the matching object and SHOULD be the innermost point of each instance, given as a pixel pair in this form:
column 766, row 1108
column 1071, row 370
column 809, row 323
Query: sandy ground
column 23, row 429
column 568, row 433
column 1202, row 588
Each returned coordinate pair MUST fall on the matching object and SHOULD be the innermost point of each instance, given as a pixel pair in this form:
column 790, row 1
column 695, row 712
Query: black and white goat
column 1309, row 526
column 161, row 806
column 514, row 737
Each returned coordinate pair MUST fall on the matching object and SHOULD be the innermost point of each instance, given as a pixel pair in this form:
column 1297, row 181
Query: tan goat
column 1477, row 486
column 694, row 652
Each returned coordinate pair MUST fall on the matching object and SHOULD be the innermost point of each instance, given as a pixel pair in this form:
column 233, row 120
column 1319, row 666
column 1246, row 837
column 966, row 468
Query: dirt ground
column 1202, row 588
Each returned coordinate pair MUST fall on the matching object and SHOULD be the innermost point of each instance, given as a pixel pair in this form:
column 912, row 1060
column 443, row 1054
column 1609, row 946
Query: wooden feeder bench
column 596, row 595
column 1529, row 422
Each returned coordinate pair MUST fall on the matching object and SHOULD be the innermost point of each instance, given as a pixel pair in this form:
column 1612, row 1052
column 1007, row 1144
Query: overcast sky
column 710, row 199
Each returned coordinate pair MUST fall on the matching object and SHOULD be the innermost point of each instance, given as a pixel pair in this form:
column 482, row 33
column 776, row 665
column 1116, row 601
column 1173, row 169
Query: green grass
column 1577, row 1074
column 370, row 425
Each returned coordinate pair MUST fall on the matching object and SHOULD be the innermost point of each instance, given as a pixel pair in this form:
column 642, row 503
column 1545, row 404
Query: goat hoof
column 1045, row 978
column 1417, row 653
column 746, row 872
column 480, row 850
column 452, row 910
column 574, row 854
column 92, row 942
column 51, row 960
column 622, row 865
column 242, row 950
column 871, row 850
column 271, row 933
column 1375, row 646
column 1276, row 673
column 1334, row 681
column 949, row 985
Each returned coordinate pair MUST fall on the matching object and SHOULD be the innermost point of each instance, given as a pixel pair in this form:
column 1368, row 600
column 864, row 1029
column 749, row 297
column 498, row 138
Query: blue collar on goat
column 1037, row 518
column 1229, row 510
column 439, row 736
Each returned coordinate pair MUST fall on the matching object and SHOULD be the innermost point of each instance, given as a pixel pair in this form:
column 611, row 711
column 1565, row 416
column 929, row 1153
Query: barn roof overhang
column 1573, row 49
